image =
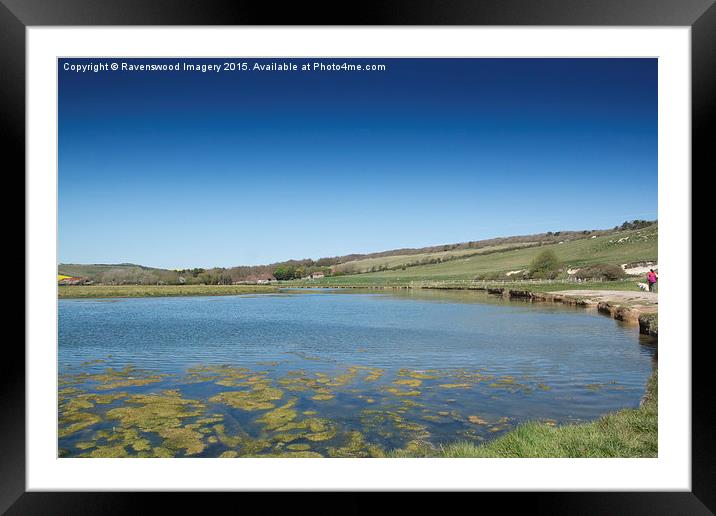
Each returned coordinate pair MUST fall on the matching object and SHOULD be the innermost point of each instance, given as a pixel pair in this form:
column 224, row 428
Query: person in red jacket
column 652, row 278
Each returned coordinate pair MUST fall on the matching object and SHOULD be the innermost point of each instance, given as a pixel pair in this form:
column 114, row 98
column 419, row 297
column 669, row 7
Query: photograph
column 357, row 257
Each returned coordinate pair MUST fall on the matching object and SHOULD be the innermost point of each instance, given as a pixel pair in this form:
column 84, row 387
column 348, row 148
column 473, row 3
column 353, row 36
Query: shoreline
column 138, row 291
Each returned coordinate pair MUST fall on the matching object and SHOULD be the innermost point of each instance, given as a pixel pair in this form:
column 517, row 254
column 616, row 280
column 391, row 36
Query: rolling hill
column 629, row 246
column 630, row 243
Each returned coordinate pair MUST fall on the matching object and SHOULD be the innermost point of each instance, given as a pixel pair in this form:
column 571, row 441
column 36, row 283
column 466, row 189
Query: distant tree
column 634, row 224
column 545, row 265
column 285, row 272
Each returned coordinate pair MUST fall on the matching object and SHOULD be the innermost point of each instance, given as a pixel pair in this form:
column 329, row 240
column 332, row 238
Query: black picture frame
column 17, row 15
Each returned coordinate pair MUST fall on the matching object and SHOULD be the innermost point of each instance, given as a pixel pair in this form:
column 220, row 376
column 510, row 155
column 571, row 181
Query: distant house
column 253, row 279
column 315, row 275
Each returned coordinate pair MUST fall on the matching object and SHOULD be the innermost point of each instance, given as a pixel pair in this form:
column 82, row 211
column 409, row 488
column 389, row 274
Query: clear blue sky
column 187, row 169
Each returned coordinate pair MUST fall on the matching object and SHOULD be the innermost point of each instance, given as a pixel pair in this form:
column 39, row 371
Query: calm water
column 379, row 370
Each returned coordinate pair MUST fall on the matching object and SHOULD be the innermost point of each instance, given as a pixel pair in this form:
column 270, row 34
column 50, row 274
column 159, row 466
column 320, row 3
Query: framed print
column 424, row 249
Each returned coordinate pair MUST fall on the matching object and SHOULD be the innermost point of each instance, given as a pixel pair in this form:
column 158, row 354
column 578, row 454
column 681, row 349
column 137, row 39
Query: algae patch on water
column 259, row 397
column 163, row 414
column 129, row 376
column 279, row 417
column 355, row 445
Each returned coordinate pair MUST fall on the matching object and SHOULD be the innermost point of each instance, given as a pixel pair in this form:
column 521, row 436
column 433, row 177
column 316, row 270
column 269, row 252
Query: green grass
column 412, row 260
column 627, row 433
column 103, row 291
column 637, row 245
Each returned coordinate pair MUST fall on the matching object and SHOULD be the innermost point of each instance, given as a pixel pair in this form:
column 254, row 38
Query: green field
column 105, row 291
column 618, row 248
column 412, row 260
column 627, row 433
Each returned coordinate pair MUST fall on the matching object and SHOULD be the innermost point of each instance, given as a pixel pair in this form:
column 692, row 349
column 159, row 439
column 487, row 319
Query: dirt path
column 645, row 301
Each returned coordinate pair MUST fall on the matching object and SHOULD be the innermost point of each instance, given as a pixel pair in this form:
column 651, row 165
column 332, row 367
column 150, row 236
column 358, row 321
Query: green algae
column 320, row 429
column 208, row 420
column 109, row 452
column 185, row 429
column 298, row 447
column 286, row 437
column 126, row 437
column 321, row 396
column 259, row 397
column 227, row 440
column 150, row 412
column 126, row 377
column 311, row 429
column 455, row 385
column 184, row 438
column 279, row 417
column 608, row 385
column 240, row 441
column 68, row 391
column 354, row 446
column 76, row 404
column 391, row 423
column 345, row 378
column 374, row 375
column 419, row 375
column 299, row 381
column 229, row 454
column 510, row 384
column 401, row 392
column 162, row 452
column 71, row 422
column 224, row 375
column 410, row 382
column 164, row 415
column 296, row 455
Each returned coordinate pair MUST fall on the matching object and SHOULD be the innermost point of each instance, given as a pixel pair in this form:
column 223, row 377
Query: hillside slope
column 618, row 248
column 466, row 260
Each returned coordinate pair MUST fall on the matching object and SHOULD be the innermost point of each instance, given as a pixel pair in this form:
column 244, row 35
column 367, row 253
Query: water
column 377, row 370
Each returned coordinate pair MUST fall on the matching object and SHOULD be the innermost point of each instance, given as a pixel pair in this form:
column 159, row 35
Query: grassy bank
column 627, row 433
column 102, row 291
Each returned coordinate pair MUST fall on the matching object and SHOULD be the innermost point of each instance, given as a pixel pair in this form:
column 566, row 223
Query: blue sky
column 187, row 169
